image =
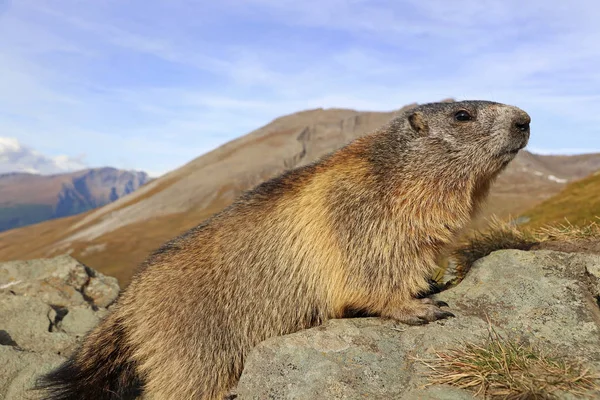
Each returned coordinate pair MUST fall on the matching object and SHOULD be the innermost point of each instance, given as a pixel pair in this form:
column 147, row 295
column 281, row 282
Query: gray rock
column 540, row 294
column 593, row 271
column 347, row 359
column 64, row 268
column 46, row 306
column 438, row 392
column 537, row 296
column 57, row 281
column 19, row 369
column 101, row 289
column 27, row 322
column 80, row 320
column 61, row 281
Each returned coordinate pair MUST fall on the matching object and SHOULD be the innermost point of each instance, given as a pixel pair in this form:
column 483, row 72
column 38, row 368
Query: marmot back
column 358, row 231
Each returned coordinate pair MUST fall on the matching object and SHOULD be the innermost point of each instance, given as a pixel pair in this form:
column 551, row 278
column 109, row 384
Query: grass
column 502, row 235
column 500, row 368
column 579, row 202
column 568, row 232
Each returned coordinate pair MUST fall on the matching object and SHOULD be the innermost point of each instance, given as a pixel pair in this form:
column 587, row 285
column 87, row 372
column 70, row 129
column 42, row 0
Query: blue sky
column 153, row 84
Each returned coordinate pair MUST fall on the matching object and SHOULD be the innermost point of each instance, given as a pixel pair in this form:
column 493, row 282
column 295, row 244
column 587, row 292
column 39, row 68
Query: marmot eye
column 463, row 116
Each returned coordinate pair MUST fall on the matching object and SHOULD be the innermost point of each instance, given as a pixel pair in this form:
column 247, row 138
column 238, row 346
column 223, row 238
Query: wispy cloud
column 150, row 85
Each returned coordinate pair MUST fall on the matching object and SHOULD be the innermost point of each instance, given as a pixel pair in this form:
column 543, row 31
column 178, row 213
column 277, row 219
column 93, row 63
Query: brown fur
column 358, row 230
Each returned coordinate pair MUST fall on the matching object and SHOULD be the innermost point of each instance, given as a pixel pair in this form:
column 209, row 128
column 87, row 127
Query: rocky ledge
column 544, row 297
column 46, row 306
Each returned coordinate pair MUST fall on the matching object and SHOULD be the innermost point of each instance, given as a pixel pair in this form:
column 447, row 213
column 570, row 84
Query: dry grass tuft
column 566, row 232
column 505, row 369
column 502, row 235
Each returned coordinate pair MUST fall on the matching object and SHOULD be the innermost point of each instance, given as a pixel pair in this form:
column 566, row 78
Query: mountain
column 27, row 199
column 118, row 236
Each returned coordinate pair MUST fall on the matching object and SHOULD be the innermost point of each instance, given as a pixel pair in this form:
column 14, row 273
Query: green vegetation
column 23, row 214
column 502, row 368
column 579, row 203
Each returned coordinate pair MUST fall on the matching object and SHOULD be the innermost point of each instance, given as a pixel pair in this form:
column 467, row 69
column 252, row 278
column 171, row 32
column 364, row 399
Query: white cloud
column 14, row 157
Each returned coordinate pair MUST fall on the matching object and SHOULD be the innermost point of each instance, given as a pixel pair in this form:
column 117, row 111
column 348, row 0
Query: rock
column 79, row 320
column 27, row 321
column 346, row 359
column 46, row 306
column 593, row 271
column 546, row 297
column 438, row 392
column 540, row 297
column 102, row 290
column 55, row 281
column 19, row 370
column 60, row 281
column 541, row 294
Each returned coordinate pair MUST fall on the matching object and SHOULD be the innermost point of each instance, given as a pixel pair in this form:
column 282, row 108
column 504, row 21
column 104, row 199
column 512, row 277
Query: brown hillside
column 116, row 237
column 578, row 204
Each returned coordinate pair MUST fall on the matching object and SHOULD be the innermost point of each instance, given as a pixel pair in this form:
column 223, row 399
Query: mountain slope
column 30, row 198
column 116, row 237
column 578, row 203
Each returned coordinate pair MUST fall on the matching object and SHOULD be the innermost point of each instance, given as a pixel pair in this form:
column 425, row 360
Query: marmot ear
column 417, row 123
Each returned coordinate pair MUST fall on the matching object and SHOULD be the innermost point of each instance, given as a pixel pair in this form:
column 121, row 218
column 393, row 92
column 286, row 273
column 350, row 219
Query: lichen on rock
column 46, row 307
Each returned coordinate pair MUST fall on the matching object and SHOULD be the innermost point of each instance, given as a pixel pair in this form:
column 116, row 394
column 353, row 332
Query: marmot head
column 487, row 133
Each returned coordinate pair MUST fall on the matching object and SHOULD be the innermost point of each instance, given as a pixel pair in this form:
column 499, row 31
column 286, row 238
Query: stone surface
column 27, row 321
column 542, row 297
column 101, row 289
column 19, row 369
column 593, row 271
column 347, row 359
column 541, row 294
column 46, row 306
column 79, row 320
column 546, row 297
column 61, row 281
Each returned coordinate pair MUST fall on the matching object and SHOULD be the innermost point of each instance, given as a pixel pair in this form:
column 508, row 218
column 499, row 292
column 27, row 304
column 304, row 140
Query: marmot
column 357, row 231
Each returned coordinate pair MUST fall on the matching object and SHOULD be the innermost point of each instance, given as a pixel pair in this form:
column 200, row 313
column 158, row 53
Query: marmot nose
column 522, row 122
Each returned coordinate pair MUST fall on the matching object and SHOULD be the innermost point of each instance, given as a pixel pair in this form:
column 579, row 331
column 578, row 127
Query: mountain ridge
column 27, row 198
